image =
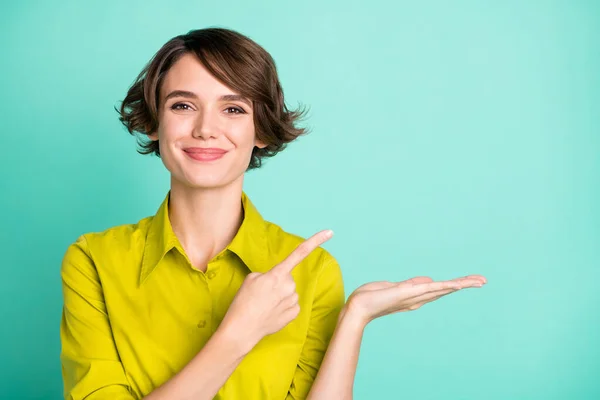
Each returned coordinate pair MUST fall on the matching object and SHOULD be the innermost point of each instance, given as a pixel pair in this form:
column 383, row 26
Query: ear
column 259, row 144
column 153, row 136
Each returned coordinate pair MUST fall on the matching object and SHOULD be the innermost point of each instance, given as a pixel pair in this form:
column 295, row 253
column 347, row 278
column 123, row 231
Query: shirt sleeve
column 327, row 304
column 91, row 367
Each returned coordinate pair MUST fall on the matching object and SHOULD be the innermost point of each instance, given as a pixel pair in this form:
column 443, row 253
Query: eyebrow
column 192, row 95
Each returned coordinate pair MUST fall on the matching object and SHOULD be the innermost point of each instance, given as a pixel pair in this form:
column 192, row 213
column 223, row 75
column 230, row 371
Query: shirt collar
column 249, row 244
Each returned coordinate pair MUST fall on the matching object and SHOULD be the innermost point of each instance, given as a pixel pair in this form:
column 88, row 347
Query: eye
column 234, row 110
column 180, row 106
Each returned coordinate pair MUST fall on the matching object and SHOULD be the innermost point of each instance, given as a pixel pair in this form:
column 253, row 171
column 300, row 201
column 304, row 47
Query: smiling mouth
column 199, row 154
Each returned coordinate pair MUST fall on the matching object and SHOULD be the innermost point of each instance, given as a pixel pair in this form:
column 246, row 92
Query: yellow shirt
column 136, row 311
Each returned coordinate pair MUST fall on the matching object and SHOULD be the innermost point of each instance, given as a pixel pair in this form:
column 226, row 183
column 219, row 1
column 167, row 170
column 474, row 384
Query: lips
column 204, row 154
column 208, row 150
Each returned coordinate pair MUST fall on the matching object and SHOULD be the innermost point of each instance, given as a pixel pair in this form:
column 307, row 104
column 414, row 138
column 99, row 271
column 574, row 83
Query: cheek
column 244, row 135
column 172, row 127
column 170, row 130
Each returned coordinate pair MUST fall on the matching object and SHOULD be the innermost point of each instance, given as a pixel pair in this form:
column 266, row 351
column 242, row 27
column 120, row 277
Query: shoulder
column 120, row 237
column 282, row 243
column 94, row 247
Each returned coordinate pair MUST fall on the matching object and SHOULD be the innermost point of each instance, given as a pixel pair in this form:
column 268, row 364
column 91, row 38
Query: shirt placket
column 212, row 278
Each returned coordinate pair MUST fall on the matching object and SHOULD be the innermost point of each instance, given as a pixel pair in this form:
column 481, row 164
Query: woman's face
column 197, row 112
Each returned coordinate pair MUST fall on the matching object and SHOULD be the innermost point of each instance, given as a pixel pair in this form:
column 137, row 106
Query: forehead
column 189, row 74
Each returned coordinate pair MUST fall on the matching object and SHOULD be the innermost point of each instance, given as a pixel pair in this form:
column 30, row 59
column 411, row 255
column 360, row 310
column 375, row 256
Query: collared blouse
column 136, row 311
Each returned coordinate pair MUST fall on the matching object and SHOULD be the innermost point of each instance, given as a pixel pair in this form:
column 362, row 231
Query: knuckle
column 291, row 288
column 274, row 276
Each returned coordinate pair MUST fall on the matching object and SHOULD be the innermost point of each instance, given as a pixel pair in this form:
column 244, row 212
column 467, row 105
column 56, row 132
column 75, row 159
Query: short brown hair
column 238, row 62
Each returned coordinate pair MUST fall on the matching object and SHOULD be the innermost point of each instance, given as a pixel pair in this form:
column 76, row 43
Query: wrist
column 234, row 339
column 354, row 314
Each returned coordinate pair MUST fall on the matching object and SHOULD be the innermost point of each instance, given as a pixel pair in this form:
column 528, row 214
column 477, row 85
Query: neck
column 205, row 221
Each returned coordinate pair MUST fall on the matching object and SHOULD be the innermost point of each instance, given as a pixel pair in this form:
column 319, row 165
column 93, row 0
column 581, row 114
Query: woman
column 206, row 299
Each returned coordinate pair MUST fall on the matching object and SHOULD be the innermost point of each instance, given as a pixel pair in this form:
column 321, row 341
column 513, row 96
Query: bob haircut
column 235, row 60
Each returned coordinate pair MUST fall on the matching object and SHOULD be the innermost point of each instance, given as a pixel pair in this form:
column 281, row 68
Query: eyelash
column 237, row 109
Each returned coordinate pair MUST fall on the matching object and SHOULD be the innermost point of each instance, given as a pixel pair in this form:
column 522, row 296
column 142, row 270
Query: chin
column 208, row 181
column 197, row 176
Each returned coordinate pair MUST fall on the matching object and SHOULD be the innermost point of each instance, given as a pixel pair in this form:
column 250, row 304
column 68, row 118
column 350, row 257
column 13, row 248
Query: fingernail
column 329, row 233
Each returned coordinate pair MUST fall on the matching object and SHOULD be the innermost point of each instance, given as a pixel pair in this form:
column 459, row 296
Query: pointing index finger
column 302, row 251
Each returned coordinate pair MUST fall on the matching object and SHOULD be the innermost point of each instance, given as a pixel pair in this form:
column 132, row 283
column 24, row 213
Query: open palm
column 376, row 299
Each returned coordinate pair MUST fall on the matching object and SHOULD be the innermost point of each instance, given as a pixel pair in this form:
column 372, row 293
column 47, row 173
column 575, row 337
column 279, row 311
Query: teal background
column 449, row 138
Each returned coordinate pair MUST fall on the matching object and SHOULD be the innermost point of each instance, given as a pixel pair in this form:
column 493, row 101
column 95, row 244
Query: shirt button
column 211, row 274
column 201, row 324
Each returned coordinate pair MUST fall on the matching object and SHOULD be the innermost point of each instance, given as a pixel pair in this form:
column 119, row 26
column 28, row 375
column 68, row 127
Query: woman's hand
column 335, row 379
column 266, row 303
column 376, row 299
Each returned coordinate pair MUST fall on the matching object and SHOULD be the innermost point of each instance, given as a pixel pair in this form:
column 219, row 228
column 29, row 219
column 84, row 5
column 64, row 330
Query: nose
column 206, row 125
